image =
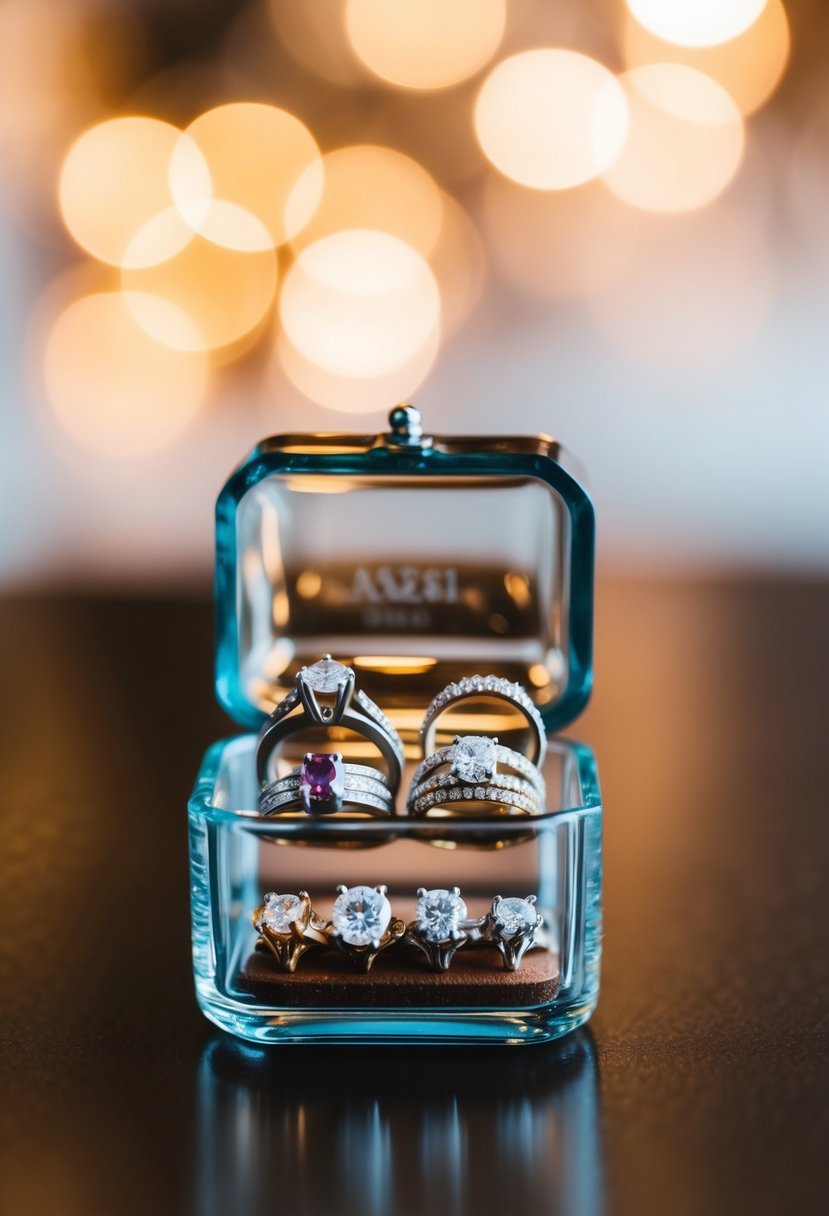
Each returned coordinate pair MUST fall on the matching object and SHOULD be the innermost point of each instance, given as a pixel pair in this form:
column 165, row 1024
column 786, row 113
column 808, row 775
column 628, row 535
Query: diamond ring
column 324, row 784
column 513, row 925
column 288, row 926
column 486, row 688
column 324, row 696
column 465, row 775
column 437, row 926
column 362, row 925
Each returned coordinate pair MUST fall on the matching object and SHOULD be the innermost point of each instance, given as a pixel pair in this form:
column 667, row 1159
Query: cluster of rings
column 362, row 925
column 474, row 774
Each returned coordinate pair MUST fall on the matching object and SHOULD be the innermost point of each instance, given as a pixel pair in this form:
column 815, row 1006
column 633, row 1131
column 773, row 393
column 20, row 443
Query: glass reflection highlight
column 399, row 1131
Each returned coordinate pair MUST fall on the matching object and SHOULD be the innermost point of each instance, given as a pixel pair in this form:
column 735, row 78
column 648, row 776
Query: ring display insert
column 475, row 980
column 420, row 564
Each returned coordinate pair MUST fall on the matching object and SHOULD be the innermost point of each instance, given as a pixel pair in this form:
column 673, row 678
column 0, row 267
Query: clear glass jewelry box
column 416, row 560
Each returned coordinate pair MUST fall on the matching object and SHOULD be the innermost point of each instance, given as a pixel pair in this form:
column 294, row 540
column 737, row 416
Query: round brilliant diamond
column 361, row 915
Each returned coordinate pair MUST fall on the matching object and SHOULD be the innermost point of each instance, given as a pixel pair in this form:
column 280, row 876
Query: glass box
column 416, row 560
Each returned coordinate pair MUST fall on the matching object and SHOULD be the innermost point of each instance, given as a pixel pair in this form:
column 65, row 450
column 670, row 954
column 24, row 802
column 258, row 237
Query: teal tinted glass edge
column 386, row 461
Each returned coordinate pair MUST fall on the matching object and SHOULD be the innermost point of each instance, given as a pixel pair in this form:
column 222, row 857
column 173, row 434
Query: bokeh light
column 685, row 142
column 565, row 245
column 113, row 388
column 223, row 293
column 116, row 178
column 355, row 394
column 367, row 186
column 58, row 64
column 696, row 22
column 748, row 67
column 255, row 154
column 360, row 303
column 430, row 44
column 697, row 293
column 551, row 119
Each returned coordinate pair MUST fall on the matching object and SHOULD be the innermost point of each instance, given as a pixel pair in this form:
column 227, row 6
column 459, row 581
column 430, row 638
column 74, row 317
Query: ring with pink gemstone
column 476, row 774
column 482, row 691
column 325, row 696
column 288, row 926
column 325, row 785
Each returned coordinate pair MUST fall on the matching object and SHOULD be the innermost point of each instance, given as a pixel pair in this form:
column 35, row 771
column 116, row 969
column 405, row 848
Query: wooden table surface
column 702, row 1084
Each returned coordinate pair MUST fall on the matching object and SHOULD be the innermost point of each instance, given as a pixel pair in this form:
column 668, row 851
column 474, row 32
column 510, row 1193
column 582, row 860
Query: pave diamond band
column 363, row 925
column 486, row 688
column 325, row 696
column 509, row 795
column 446, row 758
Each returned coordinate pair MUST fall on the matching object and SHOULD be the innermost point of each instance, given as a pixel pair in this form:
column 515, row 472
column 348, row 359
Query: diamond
column 515, row 916
column 438, row 914
column 474, row 758
column 281, row 911
column 326, row 675
column 361, row 915
column 322, row 782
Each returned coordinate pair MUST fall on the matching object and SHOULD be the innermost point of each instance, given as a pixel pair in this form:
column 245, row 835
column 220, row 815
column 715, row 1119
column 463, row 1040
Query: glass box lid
column 415, row 559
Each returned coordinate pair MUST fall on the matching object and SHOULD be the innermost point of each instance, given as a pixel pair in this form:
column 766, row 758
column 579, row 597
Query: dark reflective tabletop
column 701, row 1086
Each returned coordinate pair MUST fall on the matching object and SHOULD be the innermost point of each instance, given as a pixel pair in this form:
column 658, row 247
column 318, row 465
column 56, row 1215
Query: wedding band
column 486, row 688
column 289, row 927
column 302, row 710
column 324, row 784
column 464, row 775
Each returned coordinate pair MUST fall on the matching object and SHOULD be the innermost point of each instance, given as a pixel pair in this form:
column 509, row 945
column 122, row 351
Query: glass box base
column 437, row 1026
column 554, row 858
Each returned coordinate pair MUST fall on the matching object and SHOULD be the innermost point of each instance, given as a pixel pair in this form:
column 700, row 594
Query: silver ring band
column 480, row 688
column 363, row 789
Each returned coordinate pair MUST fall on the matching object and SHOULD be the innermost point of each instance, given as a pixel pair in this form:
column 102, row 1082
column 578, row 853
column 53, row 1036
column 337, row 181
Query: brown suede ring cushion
column 475, row 979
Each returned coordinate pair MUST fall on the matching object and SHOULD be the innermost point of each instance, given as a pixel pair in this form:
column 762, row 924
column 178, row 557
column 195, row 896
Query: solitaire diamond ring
column 288, row 926
column 437, row 926
column 513, row 925
column 324, row 695
column 362, row 925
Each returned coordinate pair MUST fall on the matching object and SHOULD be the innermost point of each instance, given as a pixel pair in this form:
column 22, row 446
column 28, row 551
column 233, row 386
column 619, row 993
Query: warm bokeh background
column 600, row 220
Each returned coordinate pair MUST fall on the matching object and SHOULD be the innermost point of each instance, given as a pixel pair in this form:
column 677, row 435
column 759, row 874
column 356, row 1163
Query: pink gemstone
column 322, row 782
